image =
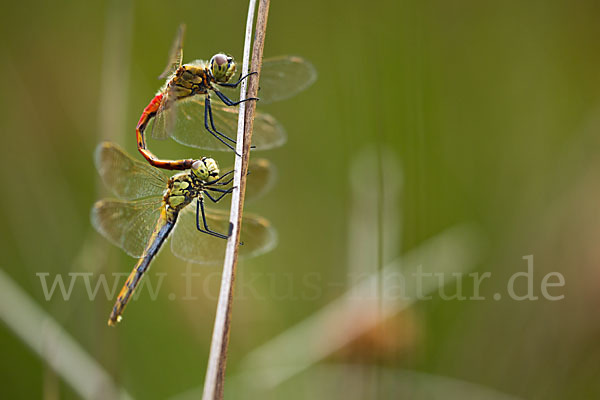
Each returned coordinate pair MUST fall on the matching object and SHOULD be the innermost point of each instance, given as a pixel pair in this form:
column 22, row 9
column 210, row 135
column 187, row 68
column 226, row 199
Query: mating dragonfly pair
column 151, row 206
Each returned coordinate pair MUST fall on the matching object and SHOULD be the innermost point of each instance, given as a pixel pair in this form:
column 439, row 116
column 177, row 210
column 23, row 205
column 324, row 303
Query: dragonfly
column 150, row 207
column 183, row 104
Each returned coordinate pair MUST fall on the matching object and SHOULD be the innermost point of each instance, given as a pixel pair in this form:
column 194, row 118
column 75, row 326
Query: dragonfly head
column 222, row 67
column 205, row 169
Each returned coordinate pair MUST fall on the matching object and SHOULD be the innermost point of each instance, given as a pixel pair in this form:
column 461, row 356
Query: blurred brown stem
column 217, row 361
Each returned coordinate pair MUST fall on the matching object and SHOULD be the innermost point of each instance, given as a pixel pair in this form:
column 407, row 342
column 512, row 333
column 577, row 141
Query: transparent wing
column 283, row 77
column 163, row 124
column 127, row 224
column 176, row 54
column 261, row 177
column 184, row 121
column 192, row 245
column 280, row 78
column 127, row 178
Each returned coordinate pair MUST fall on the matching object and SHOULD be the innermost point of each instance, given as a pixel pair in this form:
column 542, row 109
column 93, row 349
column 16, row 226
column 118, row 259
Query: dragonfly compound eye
column 213, row 168
column 205, row 169
column 222, row 67
column 200, row 170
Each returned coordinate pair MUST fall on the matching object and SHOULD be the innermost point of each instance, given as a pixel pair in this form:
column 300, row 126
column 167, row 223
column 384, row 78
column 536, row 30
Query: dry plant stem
column 215, row 373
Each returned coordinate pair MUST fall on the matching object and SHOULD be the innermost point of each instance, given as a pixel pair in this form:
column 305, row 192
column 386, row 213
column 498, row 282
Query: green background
column 491, row 108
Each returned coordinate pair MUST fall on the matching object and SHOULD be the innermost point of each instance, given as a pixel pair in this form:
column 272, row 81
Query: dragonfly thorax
column 182, row 190
column 188, row 80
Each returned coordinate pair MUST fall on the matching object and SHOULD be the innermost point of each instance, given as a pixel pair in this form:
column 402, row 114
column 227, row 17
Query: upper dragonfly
column 183, row 103
column 151, row 205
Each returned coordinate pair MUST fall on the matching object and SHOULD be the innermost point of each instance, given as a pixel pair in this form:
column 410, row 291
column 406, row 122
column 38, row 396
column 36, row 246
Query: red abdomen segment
column 148, row 113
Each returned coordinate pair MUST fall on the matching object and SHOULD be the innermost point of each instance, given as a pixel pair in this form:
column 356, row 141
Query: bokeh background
column 425, row 115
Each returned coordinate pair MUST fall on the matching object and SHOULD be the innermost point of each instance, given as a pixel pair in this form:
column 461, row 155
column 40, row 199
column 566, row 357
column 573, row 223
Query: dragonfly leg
column 227, row 102
column 216, row 181
column 220, row 190
column 208, row 107
column 216, row 134
column 230, row 102
column 234, row 85
column 223, row 194
column 225, row 183
column 200, row 209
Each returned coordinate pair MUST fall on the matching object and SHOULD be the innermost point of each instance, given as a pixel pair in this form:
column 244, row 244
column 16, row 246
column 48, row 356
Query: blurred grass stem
column 38, row 330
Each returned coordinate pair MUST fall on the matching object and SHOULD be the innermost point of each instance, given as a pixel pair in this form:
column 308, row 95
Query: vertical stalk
column 215, row 373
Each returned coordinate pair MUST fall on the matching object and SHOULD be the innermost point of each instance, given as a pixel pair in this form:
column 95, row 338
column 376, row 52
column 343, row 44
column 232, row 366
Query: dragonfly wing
column 189, row 244
column 280, row 78
column 129, row 179
column 283, row 77
column 127, row 224
column 176, row 54
column 190, row 131
column 261, row 177
column 163, row 123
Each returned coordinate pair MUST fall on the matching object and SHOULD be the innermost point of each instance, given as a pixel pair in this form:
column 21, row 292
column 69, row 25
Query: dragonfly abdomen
column 148, row 113
column 163, row 229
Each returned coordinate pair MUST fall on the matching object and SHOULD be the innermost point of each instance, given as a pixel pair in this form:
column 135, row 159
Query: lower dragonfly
column 183, row 104
column 151, row 207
